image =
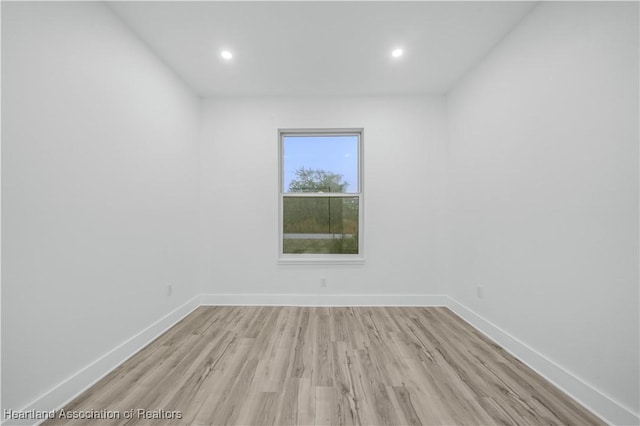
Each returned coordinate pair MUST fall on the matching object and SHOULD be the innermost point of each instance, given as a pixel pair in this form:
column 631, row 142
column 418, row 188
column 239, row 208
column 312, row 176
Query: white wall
column 403, row 153
column 99, row 191
column 543, row 188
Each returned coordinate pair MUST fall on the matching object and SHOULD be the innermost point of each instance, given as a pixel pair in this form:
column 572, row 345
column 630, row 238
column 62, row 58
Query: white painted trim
column 600, row 404
column 320, row 259
column 75, row 385
column 313, row 260
column 325, row 299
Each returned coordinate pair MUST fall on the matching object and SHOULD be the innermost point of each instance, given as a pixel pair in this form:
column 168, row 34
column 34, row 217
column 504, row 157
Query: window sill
column 309, row 260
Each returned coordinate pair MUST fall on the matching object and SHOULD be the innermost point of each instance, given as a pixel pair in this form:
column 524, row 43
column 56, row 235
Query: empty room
column 320, row 213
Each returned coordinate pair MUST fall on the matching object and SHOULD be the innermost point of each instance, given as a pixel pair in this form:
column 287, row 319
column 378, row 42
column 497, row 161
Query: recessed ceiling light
column 397, row 53
column 226, row 55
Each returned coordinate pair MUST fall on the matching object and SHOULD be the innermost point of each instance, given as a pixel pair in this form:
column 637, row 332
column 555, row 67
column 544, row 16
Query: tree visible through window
column 320, row 193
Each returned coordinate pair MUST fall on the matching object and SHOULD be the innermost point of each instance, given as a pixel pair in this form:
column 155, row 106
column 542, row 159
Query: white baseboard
column 601, row 405
column 71, row 388
column 324, row 299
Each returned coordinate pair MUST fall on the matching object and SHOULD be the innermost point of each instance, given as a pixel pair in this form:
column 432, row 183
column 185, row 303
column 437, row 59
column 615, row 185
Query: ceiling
column 321, row 48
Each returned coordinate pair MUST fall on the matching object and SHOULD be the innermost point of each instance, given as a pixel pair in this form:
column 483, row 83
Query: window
column 321, row 195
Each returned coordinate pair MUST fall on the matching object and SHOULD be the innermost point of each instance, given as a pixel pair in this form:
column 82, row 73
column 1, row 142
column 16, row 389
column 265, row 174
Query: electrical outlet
column 480, row 291
column 169, row 289
column 323, row 282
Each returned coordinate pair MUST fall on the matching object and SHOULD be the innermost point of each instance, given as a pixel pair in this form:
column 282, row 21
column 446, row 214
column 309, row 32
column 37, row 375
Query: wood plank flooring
column 325, row 366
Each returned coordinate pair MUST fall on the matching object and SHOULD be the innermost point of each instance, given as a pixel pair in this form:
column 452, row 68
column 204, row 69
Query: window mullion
column 320, row 194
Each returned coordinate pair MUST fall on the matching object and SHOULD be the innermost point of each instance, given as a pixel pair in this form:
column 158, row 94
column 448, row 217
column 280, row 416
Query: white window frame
column 312, row 258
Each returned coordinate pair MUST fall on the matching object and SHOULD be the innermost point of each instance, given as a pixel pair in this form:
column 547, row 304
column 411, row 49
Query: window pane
column 320, row 163
column 320, row 225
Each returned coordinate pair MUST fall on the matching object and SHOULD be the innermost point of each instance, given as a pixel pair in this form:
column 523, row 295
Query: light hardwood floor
column 329, row 366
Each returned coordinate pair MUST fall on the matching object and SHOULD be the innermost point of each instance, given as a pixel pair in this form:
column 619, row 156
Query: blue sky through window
column 336, row 154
